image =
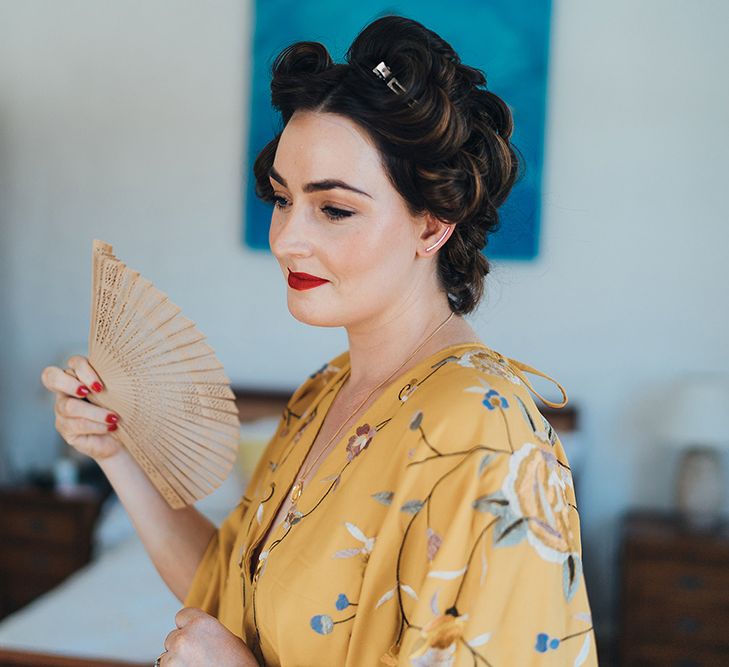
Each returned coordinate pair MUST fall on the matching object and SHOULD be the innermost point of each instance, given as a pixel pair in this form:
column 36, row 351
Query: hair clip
column 383, row 71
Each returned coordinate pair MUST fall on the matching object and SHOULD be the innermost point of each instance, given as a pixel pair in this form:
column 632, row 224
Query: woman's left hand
column 200, row 639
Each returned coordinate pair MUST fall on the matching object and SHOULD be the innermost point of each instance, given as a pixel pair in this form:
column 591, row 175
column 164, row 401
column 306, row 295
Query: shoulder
column 478, row 400
column 480, row 388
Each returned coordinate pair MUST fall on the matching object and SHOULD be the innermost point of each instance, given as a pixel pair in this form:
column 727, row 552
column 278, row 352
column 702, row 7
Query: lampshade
column 697, row 412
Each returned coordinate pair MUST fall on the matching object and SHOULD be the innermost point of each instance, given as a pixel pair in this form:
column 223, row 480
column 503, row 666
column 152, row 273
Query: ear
column 434, row 235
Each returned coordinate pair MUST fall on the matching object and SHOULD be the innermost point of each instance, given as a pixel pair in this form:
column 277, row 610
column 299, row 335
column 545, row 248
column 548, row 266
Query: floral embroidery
column 486, row 363
column 492, row 399
column 324, row 623
column 531, row 505
column 436, row 644
column 368, row 543
column 359, row 442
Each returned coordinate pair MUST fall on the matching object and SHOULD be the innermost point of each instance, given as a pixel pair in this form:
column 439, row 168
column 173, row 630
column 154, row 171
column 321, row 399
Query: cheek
column 373, row 261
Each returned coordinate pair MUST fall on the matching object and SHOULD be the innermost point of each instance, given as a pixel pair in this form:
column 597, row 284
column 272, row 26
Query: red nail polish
column 97, row 387
column 82, row 391
column 111, row 427
column 111, row 418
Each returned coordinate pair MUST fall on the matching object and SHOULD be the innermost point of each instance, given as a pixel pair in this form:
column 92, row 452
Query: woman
column 414, row 507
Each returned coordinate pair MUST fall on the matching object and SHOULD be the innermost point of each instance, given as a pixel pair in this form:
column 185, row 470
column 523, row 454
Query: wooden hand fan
column 178, row 415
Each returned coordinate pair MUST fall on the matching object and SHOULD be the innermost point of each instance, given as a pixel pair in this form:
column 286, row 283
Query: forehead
column 326, row 145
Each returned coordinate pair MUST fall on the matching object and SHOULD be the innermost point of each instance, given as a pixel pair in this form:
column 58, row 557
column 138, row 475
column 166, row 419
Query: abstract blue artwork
column 507, row 39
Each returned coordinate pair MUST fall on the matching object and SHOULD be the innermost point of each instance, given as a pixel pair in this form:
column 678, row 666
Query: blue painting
column 507, row 39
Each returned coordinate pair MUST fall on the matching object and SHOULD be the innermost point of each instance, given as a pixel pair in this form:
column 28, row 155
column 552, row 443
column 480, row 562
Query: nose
column 290, row 234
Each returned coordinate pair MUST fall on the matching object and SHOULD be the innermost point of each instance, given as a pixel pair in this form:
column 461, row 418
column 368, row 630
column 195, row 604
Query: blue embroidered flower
column 543, row 645
column 342, row 602
column 493, row 399
column 322, row 623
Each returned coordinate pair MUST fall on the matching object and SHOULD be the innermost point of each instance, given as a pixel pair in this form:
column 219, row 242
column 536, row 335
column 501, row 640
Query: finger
column 86, row 373
column 187, row 614
column 70, row 427
column 170, row 639
column 55, row 379
column 76, row 408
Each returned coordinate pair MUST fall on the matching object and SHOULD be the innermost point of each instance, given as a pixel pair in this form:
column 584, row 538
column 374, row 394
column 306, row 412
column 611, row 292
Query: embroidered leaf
column 486, row 503
column 525, row 413
column 335, row 477
column 584, row 651
column 416, row 420
column 409, row 591
column 259, row 514
column 480, row 640
column 434, row 542
column 355, row 532
column 571, row 572
column 434, row 603
column 347, row 553
column 484, row 462
column 447, row 574
column 412, row 506
column 384, row 497
column 385, row 597
column 509, row 528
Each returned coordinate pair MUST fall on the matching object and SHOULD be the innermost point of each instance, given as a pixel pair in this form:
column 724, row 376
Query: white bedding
column 118, row 606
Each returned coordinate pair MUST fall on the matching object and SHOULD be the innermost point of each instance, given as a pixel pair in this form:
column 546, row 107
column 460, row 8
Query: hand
column 82, row 425
column 200, row 640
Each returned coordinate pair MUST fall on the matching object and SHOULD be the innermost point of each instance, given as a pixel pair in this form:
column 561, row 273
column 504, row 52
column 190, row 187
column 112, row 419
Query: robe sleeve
column 489, row 571
column 208, row 582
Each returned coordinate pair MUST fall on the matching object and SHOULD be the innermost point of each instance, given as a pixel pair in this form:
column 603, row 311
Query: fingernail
column 97, row 387
column 112, row 427
column 82, row 391
column 111, row 418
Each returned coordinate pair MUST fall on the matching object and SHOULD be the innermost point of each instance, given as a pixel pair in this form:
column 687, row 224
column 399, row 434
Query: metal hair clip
column 383, row 71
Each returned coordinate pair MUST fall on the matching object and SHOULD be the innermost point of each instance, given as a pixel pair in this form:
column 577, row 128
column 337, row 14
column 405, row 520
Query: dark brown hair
column 449, row 154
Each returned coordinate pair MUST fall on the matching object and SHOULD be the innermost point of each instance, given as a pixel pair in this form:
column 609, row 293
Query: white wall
column 126, row 121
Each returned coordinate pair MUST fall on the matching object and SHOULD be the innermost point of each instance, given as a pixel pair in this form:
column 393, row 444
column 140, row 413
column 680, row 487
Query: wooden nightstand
column 674, row 599
column 44, row 537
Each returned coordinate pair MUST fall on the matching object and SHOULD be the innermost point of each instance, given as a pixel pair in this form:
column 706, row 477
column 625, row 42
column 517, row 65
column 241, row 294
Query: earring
column 438, row 241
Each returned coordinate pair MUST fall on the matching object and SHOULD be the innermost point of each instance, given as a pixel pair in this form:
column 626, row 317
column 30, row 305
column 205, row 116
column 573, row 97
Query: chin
column 306, row 312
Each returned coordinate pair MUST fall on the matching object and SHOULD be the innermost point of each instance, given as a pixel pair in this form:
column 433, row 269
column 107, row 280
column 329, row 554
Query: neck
column 377, row 348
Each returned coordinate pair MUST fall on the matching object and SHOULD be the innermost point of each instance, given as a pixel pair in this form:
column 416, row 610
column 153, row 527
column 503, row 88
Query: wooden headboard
column 256, row 403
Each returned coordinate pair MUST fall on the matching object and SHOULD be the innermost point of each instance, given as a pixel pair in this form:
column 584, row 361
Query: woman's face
column 363, row 243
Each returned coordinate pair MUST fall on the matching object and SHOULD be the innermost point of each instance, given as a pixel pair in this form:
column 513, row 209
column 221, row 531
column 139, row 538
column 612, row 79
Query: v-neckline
column 266, row 532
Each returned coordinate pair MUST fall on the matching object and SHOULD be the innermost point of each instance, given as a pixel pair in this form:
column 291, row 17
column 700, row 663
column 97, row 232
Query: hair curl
column 450, row 154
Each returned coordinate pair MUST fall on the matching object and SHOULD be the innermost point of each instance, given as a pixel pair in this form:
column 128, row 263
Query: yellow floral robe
column 442, row 530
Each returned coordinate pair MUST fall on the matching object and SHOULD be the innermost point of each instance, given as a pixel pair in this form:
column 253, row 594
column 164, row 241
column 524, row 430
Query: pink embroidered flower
column 360, row 441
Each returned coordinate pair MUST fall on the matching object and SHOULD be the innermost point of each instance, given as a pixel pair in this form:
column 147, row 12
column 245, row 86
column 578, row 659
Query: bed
column 64, row 628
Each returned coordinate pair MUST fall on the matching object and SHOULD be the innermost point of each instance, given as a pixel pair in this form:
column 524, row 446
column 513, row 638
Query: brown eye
column 336, row 213
column 277, row 201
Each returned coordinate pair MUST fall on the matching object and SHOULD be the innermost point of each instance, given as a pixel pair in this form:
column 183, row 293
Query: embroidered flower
column 360, row 441
column 490, row 363
column 436, row 644
column 492, row 399
column 531, row 504
column 368, row 543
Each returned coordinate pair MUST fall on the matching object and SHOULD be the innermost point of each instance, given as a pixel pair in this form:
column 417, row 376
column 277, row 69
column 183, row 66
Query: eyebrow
column 327, row 184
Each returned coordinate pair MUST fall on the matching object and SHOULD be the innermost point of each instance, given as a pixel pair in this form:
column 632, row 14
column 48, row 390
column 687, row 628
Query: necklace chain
column 297, row 488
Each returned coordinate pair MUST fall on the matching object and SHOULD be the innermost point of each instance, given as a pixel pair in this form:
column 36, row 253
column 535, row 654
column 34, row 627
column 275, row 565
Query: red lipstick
column 302, row 281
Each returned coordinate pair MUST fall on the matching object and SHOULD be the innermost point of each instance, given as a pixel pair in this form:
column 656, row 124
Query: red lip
column 303, row 281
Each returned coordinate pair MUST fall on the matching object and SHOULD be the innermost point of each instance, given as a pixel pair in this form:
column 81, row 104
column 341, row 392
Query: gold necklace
column 297, row 488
